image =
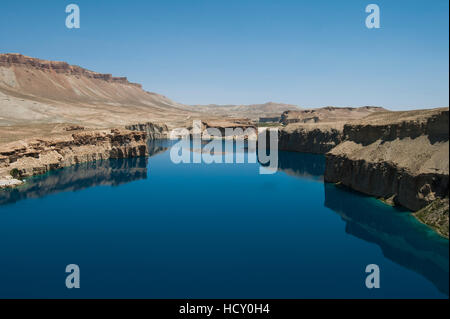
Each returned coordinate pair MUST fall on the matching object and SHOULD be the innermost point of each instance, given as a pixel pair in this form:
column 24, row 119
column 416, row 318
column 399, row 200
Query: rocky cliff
column 153, row 131
column 37, row 156
column 310, row 138
column 399, row 156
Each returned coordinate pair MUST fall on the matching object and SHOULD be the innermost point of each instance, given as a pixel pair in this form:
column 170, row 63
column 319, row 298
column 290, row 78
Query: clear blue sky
column 309, row 53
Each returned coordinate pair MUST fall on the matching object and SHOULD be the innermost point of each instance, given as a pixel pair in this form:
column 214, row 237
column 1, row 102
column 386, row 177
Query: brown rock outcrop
column 154, row 131
column 38, row 156
column 399, row 155
column 310, row 138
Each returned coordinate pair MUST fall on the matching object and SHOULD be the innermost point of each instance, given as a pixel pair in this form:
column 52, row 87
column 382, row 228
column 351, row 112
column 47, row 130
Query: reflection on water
column 399, row 235
column 156, row 147
column 111, row 172
column 290, row 245
column 77, row 177
column 401, row 238
column 219, row 149
column 301, row 165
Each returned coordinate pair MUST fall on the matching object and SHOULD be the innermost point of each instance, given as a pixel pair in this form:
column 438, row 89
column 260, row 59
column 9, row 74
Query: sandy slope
column 36, row 92
column 37, row 95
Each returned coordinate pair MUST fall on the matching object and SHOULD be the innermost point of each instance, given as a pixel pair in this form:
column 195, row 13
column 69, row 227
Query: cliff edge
column 38, row 156
column 317, row 138
column 398, row 156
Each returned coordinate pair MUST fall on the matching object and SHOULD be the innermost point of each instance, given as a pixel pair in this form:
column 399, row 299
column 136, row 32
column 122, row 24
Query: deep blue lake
column 149, row 228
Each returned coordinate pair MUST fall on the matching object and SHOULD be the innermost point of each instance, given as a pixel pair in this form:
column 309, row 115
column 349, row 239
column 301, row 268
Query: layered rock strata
column 314, row 138
column 13, row 59
column 37, row 156
column 153, row 131
column 400, row 156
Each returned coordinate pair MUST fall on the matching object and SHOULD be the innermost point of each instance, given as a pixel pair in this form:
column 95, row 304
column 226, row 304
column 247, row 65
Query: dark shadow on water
column 401, row 238
column 112, row 172
column 311, row 166
column 156, row 147
column 301, row 165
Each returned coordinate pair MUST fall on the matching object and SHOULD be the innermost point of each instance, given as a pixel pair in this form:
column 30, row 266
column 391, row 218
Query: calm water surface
column 148, row 228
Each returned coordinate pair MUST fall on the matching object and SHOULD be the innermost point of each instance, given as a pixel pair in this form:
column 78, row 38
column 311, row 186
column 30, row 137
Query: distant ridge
column 329, row 114
column 16, row 59
column 36, row 91
column 252, row 111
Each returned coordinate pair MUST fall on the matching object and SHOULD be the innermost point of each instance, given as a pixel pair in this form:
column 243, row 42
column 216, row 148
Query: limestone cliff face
column 154, row 131
column 411, row 124
column 37, row 156
column 314, row 138
column 387, row 180
column 402, row 156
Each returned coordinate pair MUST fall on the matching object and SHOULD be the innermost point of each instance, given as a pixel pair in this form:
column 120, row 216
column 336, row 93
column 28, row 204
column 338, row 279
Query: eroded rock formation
column 401, row 156
column 38, row 156
column 154, row 131
column 318, row 139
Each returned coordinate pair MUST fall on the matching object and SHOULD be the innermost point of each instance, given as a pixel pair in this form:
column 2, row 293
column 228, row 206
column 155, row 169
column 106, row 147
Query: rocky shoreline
column 399, row 157
column 310, row 138
column 83, row 116
column 26, row 158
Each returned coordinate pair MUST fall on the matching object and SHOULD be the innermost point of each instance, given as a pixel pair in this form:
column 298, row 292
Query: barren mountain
column 41, row 97
column 39, row 92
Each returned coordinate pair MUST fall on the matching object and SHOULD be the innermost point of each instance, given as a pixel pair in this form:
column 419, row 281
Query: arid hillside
column 252, row 111
column 39, row 92
column 41, row 98
column 329, row 114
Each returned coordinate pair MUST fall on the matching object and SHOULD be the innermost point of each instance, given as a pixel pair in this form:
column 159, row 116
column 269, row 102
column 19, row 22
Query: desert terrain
column 53, row 114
